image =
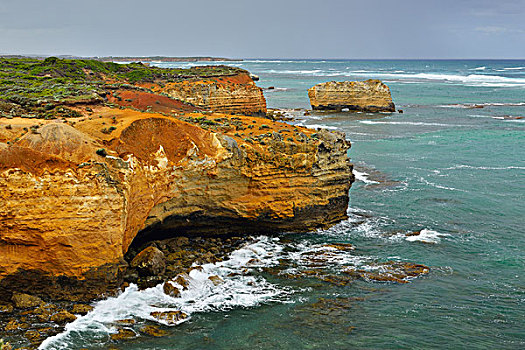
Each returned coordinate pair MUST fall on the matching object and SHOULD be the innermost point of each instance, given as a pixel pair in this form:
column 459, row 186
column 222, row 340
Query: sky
column 366, row 29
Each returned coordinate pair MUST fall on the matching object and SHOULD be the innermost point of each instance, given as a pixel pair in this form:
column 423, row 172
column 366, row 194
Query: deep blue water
column 454, row 171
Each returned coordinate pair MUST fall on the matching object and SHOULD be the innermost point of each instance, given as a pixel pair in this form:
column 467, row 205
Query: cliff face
column 234, row 95
column 93, row 158
column 68, row 214
column 368, row 96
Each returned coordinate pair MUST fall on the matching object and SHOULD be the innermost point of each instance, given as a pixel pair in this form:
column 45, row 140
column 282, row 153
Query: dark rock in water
column 127, row 322
column 171, row 290
column 123, row 334
column 216, row 280
column 400, row 111
column 8, row 308
column 14, row 325
column 390, row 271
column 153, row 331
column 81, row 309
column 170, row 317
column 32, row 335
column 149, row 262
column 413, row 233
column 24, row 301
column 149, row 281
column 63, row 317
column 271, row 87
column 183, row 281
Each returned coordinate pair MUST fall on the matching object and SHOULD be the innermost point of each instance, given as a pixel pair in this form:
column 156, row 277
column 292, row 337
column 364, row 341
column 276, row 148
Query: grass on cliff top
column 34, row 88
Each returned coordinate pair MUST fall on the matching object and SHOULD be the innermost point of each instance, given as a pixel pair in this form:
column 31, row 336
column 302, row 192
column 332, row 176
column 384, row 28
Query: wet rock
column 170, row 317
column 127, row 321
column 13, row 325
column 182, row 281
column 32, row 335
column 8, row 308
column 153, row 331
column 340, row 246
column 63, row 317
column 81, row 309
column 5, row 346
column 149, row 282
column 400, row 111
column 24, row 301
column 390, row 271
column 216, row 280
column 123, row 334
column 171, row 290
column 149, row 262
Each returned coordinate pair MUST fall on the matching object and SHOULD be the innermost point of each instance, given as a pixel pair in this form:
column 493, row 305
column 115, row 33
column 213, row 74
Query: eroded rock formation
column 69, row 212
column 234, row 95
column 367, row 96
column 88, row 168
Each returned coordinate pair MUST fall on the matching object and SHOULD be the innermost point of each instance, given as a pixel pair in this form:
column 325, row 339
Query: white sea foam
column 236, row 290
column 465, row 166
column 440, row 186
column 315, row 126
column 479, row 68
column 362, row 176
column 513, row 68
column 471, row 79
column 427, row 236
column 486, row 104
column 372, row 122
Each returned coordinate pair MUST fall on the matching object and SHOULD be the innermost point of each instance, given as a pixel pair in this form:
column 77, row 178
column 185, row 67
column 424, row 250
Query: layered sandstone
column 74, row 197
column 367, row 96
column 233, row 95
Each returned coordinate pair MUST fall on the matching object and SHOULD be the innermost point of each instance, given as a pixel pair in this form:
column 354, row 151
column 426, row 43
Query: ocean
column 451, row 166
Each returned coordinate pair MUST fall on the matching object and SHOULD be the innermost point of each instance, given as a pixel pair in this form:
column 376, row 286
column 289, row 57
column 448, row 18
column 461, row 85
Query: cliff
column 125, row 164
column 367, row 96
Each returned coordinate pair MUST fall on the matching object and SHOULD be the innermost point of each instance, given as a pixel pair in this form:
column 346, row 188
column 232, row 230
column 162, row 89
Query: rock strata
column 367, row 96
column 233, row 95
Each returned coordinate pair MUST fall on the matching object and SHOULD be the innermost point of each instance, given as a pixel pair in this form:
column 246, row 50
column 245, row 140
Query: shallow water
column 456, row 173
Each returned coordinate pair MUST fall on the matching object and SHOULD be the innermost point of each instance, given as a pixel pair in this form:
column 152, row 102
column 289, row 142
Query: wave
column 479, row 68
column 441, row 187
column 485, row 104
column 465, row 166
column 471, row 79
column 234, row 290
column 372, row 122
column 513, row 68
column 427, row 236
column 362, row 176
column 315, row 126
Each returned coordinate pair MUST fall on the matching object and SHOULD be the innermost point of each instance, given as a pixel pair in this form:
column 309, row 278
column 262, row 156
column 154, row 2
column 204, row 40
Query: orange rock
column 68, row 215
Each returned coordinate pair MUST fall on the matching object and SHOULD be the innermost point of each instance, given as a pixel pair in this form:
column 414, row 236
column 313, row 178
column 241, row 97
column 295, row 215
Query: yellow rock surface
column 66, row 210
column 370, row 96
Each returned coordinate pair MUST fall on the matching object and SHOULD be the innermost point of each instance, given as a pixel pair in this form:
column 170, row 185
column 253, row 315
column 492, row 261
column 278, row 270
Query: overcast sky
column 266, row 28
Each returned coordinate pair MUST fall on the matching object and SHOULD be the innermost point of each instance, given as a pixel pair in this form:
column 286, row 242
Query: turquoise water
column 454, row 171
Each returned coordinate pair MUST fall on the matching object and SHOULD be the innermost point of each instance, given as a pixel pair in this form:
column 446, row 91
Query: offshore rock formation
column 233, row 95
column 367, row 96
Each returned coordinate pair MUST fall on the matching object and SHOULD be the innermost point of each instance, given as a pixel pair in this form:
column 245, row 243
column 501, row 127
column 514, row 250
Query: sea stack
column 365, row 96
